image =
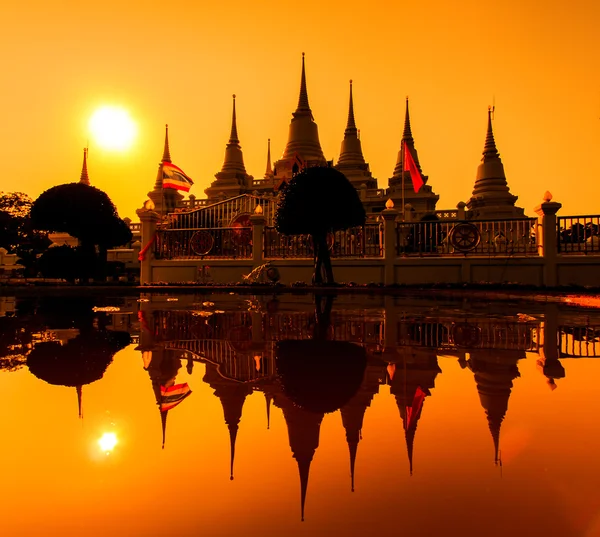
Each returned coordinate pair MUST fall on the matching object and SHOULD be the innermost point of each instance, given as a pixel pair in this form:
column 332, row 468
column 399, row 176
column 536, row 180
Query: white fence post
column 546, row 236
column 258, row 225
column 389, row 241
column 148, row 218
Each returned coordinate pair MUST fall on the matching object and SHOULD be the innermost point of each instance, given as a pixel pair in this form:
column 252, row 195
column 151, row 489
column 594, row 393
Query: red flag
column 411, row 167
column 174, row 177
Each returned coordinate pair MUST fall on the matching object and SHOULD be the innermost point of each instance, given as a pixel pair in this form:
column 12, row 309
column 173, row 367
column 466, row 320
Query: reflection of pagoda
column 353, row 412
column 232, row 395
column 494, row 375
column 303, row 432
column 162, row 366
column 411, row 380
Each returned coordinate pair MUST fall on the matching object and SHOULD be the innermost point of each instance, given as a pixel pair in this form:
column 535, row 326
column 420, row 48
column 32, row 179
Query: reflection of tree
column 316, row 376
column 80, row 360
column 320, row 375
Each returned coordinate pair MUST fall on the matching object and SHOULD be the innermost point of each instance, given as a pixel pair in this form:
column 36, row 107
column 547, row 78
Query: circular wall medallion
column 202, row 242
column 466, row 335
column 464, row 237
column 273, row 274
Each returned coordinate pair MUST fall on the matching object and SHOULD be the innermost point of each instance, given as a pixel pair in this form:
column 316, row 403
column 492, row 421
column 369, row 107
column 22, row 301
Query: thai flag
column 173, row 395
column 174, row 177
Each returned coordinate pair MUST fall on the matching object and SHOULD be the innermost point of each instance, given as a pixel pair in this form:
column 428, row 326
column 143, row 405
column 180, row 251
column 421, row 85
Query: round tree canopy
column 83, row 211
column 318, row 200
column 320, row 376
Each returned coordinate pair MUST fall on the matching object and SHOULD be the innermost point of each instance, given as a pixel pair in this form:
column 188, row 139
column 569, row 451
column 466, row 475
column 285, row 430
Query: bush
column 66, row 263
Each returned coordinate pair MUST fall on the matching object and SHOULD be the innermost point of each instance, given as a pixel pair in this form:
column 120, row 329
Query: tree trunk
column 322, row 318
column 318, row 272
column 323, row 268
column 88, row 265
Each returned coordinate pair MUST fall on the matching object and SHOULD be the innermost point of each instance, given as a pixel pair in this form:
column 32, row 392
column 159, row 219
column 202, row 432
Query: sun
column 107, row 442
column 112, row 128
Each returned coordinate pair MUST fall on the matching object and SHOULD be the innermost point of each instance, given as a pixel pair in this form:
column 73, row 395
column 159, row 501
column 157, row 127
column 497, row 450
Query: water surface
column 361, row 415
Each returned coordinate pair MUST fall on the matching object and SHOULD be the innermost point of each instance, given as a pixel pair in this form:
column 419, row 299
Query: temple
column 491, row 197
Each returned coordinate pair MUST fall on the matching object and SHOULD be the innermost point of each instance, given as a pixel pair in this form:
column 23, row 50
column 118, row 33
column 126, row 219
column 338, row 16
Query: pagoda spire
column 232, row 396
column 233, row 165
column 303, row 433
column 303, row 106
column 352, row 161
column 489, row 149
column 164, row 199
column 353, row 414
column 491, row 196
column 269, row 170
column 233, row 429
column 163, row 419
column 84, row 179
column 303, row 470
column 233, row 138
column 494, row 376
column 268, row 399
column 79, row 401
column 303, row 137
column 409, row 142
column 166, row 152
column 351, row 125
column 407, row 134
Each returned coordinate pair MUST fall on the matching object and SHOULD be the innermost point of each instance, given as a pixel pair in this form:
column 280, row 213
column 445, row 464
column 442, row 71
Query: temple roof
column 234, row 158
column 491, row 196
column 303, row 138
column 407, row 138
column 351, row 154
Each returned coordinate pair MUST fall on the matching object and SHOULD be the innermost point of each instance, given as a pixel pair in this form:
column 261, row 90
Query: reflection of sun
column 107, row 442
column 112, row 128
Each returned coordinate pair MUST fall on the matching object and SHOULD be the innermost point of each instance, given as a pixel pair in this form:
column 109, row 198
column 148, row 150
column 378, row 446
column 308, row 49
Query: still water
column 223, row 415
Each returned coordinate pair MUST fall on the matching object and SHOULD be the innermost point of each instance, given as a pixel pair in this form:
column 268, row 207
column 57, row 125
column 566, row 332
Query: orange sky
column 179, row 62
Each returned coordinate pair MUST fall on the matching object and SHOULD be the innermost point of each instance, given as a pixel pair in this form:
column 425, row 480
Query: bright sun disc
column 112, row 128
column 107, row 442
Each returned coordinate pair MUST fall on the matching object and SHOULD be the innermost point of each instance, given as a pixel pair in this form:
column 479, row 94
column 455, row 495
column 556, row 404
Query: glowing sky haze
column 179, row 63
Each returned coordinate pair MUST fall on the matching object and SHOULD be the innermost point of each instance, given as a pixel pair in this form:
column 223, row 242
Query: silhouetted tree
column 318, row 201
column 67, row 262
column 84, row 212
column 17, row 233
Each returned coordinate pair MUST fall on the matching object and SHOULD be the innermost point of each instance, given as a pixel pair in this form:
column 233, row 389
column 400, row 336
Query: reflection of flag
column 412, row 412
column 411, row 167
column 174, row 177
column 173, row 395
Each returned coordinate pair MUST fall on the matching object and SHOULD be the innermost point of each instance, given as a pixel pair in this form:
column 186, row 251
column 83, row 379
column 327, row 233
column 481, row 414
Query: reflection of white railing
column 579, row 341
column 473, row 334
